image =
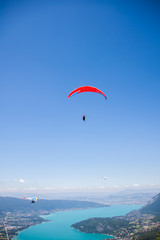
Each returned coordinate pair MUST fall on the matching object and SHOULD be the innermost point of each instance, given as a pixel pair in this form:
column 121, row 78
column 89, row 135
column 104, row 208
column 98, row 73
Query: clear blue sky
column 48, row 48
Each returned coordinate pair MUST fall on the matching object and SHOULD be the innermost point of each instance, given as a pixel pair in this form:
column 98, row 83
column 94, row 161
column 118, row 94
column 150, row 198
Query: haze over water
column 59, row 228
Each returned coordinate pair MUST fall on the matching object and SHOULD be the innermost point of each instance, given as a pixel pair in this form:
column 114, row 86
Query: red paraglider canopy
column 86, row 89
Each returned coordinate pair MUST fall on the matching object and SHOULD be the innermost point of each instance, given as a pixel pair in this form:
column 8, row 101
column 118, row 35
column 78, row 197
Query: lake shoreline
column 41, row 216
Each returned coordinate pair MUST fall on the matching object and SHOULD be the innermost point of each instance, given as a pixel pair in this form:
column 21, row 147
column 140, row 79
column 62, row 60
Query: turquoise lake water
column 60, row 226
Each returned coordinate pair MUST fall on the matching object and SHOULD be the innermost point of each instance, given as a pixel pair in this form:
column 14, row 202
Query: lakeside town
column 12, row 223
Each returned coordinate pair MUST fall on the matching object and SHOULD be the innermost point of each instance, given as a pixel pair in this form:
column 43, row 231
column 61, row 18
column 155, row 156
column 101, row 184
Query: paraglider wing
column 86, row 89
column 32, row 199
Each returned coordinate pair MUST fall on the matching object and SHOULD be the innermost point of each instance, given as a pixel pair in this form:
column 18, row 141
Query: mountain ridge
column 14, row 204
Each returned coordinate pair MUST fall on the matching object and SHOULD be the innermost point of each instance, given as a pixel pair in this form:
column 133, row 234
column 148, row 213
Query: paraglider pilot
column 84, row 117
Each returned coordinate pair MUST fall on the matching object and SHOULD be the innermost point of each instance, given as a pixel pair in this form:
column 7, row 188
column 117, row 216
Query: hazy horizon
column 71, row 192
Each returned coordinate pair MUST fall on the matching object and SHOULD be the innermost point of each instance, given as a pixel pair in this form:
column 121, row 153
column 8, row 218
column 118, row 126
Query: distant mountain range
column 139, row 190
column 134, row 198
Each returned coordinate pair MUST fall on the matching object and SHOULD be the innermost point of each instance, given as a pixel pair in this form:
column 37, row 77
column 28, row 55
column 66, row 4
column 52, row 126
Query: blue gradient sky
column 48, row 48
